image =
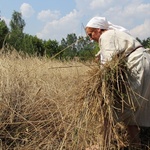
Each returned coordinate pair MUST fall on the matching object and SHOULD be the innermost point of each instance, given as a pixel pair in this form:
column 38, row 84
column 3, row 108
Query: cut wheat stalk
column 103, row 97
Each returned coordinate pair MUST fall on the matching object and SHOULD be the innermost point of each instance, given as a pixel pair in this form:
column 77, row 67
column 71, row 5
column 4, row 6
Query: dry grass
column 51, row 105
column 37, row 101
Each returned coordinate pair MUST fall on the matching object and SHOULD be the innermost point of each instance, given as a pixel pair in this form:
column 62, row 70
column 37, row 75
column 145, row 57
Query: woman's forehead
column 89, row 29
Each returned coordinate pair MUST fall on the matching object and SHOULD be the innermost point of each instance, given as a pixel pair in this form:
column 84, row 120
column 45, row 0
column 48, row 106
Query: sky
column 55, row 19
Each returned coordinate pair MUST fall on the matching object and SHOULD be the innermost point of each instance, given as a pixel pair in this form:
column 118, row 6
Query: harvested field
column 52, row 105
column 37, row 102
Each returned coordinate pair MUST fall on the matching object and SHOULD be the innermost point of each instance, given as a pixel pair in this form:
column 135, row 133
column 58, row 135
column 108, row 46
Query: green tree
column 148, row 42
column 70, row 46
column 145, row 42
column 86, row 48
column 27, row 44
column 17, row 25
column 38, row 46
column 51, row 48
column 3, row 32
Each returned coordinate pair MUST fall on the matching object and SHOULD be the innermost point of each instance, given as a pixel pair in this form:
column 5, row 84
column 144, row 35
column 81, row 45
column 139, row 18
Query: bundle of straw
column 103, row 97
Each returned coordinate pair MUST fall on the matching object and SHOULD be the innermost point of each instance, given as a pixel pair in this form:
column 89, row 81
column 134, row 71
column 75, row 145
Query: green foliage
column 16, row 32
column 51, row 48
column 80, row 47
column 27, row 45
column 145, row 43
column 3, row 32
column 17, row 24
column 38, row 46
column 86, row 48
column 69, row 47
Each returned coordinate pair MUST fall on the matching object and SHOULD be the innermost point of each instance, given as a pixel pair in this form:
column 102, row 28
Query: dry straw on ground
column 52, row 105
column 36, row 96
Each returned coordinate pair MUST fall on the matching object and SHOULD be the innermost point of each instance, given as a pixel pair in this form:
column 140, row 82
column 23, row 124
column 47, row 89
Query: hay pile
column 36, row 97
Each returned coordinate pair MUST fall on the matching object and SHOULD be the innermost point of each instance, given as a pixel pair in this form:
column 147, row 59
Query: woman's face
column 93, row 33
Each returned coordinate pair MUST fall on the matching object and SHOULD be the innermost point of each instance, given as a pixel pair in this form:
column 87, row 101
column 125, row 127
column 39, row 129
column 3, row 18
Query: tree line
column 69, row 48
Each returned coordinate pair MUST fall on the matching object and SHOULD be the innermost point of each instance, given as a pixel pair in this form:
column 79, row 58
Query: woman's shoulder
column 108, row 34
column 115, row 33
column 112, row 32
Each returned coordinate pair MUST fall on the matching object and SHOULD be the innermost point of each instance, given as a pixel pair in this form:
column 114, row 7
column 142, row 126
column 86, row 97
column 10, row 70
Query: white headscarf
column 102, row 23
